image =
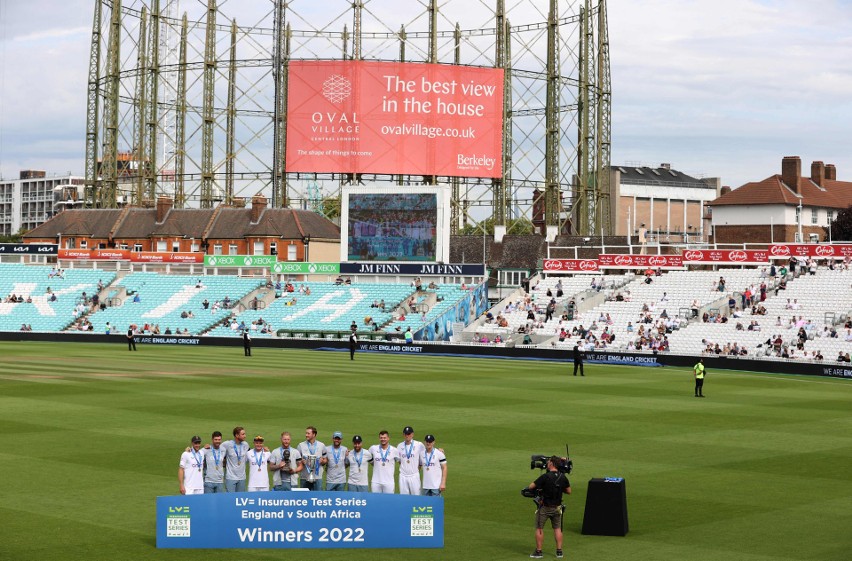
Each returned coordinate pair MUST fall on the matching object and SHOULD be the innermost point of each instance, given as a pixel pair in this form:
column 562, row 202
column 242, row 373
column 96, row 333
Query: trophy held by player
column 311, row 463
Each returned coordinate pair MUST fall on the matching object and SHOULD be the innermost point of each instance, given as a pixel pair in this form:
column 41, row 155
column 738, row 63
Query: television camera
column 564, row 465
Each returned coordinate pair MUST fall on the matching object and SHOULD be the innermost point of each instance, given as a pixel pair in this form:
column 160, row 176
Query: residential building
column 785, row 207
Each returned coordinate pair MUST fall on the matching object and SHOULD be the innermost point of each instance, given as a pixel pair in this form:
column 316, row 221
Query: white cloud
column 725, row 87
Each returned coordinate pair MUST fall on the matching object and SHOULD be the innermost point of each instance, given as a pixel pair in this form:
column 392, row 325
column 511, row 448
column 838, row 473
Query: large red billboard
column 392, row 117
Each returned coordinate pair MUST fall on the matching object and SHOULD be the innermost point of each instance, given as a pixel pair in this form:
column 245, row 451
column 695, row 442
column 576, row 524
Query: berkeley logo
column 336, row 88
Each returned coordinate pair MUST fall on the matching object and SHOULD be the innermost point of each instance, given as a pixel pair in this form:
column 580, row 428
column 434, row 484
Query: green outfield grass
column 761, row 469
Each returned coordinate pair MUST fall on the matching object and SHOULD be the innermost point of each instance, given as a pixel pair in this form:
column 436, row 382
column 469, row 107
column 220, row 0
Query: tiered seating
column 329, row 307
column 33, row 281
column 164, row 297
column 807, row 297
column 572, row 288
column 449, row 295
column 679, row 288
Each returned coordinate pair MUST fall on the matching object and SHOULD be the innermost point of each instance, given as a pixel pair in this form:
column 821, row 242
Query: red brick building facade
column 224, row 230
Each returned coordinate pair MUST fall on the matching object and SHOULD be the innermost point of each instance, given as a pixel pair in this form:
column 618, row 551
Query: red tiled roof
column 773, row 191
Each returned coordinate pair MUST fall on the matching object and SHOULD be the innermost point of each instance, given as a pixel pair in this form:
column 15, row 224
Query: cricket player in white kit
column 434, row 468
column 410, row 452
column 190, row 475
column 385, row 457
column 258, row 472
column 358, row 461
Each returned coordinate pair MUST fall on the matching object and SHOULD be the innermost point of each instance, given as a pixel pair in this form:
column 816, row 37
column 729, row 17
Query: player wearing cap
column 385, row 457
column 214, row 465
column 285, row 465
column 410, row 452
column 236, row 451
column 189, row 473
column 312, row 448
column 434, row 464
column 358, row 461
column 258, row 479
column 335, row 476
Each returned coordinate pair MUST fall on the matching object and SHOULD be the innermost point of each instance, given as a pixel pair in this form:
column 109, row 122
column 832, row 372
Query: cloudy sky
column 715, row 87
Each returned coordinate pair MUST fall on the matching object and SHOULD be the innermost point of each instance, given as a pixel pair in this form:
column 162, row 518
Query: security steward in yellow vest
column 699, row 378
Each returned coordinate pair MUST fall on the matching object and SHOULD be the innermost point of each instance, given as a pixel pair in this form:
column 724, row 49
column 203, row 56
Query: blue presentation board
column 296, row 520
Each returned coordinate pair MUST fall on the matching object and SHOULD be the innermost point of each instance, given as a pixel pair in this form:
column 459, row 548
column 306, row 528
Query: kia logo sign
column 657, row 260
column 693, row 255
column 780, row 250
column 588, row 265
column 623, row 260
column 824, row 250
column 553, row 265
column 737, row 256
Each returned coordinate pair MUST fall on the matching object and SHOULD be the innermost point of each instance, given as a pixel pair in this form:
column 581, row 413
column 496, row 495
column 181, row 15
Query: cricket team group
column 233, row 466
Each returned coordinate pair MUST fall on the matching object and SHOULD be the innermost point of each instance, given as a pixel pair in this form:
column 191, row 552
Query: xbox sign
column 239, row 260
column 285, row 268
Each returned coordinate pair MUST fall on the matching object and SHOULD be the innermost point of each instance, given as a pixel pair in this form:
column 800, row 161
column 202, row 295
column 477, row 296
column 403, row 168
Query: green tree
column 841, row 226
column 13, row 238
column 331, row 207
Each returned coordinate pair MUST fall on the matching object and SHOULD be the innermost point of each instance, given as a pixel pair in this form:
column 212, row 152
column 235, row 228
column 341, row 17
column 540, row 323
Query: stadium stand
column 164, row 299
column 43, row 313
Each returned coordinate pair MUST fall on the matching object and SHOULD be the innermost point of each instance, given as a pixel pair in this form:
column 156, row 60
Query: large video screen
column 392, row 227
column 360, row 116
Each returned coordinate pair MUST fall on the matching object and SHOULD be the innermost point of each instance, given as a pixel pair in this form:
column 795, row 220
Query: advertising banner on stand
column 390, row 117
column 423, row 270
column 625, row 261
column 75, row 254
column 110, row 254
column 166, row 257
column 555, row 266
column 240, row 260
column 725, row 257
column 28, row 248
column 804, row 250
column 300, row 520
column 299, row 268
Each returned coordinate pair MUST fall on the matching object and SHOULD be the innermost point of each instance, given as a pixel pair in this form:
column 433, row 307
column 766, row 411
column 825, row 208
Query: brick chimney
column 818, row 173
column 164, row 205
column 258, row 204
column 830, row 172
column 791, row 171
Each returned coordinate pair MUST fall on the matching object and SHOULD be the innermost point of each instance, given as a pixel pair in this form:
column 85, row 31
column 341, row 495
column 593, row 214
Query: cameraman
column 551, row 484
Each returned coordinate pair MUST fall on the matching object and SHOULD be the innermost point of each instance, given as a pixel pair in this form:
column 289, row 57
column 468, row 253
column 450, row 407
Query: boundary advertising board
column 391, row 117
column 300, row 520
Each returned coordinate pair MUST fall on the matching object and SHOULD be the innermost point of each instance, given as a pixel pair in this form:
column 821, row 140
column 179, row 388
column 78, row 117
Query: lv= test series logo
column 177, row 522
column 422, row 521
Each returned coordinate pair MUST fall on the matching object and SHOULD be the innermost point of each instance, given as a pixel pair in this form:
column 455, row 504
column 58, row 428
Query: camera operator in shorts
column 550, row 487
